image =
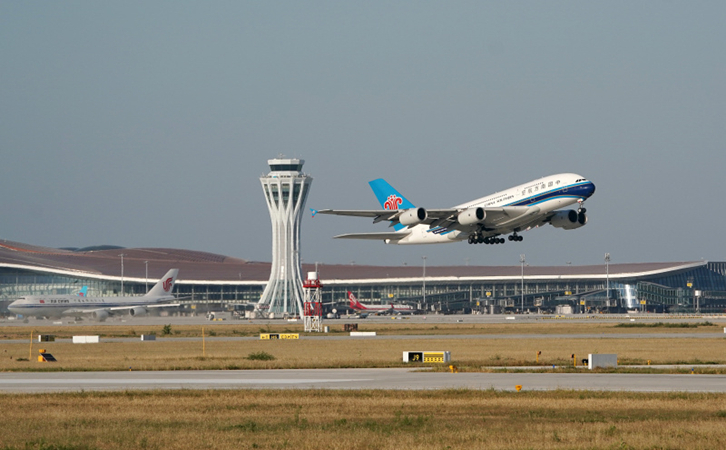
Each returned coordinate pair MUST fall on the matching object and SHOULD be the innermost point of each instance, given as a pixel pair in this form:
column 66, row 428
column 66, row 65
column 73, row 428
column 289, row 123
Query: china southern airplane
column 484, row 220
column 97, row 307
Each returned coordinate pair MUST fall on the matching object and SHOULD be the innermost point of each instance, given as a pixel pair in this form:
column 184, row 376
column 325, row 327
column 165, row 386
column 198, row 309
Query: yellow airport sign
column 265, row 336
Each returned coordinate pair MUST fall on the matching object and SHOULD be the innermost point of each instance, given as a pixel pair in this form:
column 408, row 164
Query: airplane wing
column 378, row 215
column 496, row 217
column 500, row 217
column 78, row 311
column 373, row 236
column 154, row 305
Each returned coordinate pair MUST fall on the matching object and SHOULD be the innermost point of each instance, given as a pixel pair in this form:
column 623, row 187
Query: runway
column 417, row 319
column 395, row 379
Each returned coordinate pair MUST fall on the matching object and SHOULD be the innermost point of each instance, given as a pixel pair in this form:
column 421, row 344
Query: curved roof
column 210, row 268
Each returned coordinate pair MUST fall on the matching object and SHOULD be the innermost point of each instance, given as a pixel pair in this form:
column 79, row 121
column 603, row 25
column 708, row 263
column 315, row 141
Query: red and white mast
column 312, row 303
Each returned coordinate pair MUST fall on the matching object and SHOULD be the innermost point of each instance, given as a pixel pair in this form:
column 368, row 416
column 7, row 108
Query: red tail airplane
column 378, row 309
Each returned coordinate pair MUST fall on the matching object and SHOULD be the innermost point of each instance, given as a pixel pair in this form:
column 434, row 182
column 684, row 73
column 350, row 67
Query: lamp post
column 424, row 280
column 607, row 276
column 522, row 260
column 122, row 274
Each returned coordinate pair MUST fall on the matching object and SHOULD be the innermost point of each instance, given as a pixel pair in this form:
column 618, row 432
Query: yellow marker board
column 279, row 336
column 427, row 357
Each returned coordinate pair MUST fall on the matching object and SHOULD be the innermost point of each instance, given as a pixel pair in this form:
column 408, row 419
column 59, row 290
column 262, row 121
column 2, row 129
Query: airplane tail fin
column 389, row 198
column 83, row 292
column 164, row 286
column 354, row 303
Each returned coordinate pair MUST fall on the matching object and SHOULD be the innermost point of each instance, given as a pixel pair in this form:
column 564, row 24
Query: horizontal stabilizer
column 358, row 212
column 373, row 236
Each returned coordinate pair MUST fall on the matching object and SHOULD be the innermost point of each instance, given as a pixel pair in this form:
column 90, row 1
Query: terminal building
column 215, row 282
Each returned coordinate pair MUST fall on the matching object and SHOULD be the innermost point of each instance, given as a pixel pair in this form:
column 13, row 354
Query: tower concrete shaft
column 286, row 189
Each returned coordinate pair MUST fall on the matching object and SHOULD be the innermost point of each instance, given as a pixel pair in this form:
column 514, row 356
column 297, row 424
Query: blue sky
column 148, row 124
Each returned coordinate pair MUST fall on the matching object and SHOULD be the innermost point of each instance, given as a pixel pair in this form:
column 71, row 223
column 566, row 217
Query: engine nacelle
column 471, row 216
column 138, row 311
column 568, row 220
column 100, row 315
column 413, row 216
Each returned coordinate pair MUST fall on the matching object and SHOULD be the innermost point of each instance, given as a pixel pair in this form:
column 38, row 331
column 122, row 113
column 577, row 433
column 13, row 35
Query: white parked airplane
column 97, row 307
column 378, row 309
column 483, row 220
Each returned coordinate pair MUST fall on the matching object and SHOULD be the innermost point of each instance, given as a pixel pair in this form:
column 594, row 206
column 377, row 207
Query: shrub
column 260, row 356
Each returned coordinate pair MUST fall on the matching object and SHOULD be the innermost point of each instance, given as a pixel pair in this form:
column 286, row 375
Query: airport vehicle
column 361, row 309
column 98, row 308
column 484, row 220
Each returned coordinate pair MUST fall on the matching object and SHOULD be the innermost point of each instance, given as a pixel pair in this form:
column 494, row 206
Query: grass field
column 317, row 419
column 241, row 329
column 468, row 353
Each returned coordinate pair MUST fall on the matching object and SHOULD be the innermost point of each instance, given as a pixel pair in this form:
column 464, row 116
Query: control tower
column 286, row 189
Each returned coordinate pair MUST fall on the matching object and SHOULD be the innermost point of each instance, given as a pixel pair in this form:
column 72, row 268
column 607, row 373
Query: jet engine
column 138, row 311
column 471, row 216
column 568, row 220
column 100, row 315
column 413, row 216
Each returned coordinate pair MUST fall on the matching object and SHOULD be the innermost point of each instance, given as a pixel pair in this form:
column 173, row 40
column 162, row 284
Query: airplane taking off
column 97, row 307
column 378, row 309
column 483, row 220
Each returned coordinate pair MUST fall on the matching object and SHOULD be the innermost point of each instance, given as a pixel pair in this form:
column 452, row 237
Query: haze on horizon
column 148, row 124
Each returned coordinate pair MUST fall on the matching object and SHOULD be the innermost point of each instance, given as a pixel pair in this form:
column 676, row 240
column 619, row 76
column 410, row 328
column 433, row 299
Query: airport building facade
column 209, row 281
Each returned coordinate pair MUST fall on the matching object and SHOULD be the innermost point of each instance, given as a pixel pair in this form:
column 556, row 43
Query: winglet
column 314, row 211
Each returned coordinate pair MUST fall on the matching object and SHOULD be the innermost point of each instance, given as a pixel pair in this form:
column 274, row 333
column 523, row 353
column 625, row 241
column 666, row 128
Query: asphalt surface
column 431, row 318
column 396, row 379
column 423, row 337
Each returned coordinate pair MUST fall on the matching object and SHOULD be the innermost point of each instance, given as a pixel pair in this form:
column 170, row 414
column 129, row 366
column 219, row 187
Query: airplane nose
column 590, row 189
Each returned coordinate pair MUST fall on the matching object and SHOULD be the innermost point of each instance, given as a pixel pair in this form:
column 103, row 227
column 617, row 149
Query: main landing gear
column 478, row 238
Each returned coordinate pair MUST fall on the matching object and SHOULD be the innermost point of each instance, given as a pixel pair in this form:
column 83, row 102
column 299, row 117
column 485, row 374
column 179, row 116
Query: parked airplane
column 483, row 220
column 97, row 307
column 360, row 308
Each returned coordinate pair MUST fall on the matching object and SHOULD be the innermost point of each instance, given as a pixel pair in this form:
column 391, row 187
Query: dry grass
column 395, row 327
column 314, row 419
column 468, row 354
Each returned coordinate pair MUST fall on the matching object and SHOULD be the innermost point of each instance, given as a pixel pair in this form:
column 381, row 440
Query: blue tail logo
column 389, row 198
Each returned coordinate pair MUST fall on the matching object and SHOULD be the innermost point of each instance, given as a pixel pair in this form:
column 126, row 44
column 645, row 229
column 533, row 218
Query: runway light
column 518, row 387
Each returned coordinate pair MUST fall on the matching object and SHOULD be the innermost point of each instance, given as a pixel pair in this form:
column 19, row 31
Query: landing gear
column 581, row 208
column 515, row 237
column 478, row 238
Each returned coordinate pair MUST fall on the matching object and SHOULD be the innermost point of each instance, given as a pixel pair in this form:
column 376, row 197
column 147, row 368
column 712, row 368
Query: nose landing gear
column 581, row 206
